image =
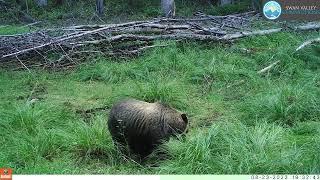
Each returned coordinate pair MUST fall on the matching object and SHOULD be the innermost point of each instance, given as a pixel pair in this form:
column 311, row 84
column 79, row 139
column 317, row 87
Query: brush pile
column 69, row 46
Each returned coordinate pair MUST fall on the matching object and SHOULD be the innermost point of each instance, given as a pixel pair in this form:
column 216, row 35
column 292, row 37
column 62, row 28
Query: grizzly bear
column 138, row 127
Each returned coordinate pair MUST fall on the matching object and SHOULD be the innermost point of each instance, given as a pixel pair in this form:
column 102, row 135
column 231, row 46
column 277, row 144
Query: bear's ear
column 184, row 118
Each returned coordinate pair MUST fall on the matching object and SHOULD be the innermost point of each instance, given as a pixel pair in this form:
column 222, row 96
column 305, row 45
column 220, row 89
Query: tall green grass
column 234, row 148
column 12, row 29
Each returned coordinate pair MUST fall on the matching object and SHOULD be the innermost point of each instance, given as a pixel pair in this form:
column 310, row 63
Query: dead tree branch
column 71, row 45
column 308, row 43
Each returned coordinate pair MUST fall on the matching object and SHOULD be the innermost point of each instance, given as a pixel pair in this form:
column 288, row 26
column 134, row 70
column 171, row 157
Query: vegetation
column 12, row 29
column 241, row 121
column 75, row 12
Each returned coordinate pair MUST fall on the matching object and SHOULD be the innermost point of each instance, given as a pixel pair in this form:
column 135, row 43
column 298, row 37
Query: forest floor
column 241, row 121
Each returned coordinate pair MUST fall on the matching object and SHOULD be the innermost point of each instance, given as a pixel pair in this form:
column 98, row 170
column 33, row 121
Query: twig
column 123, row 40
column 232, row 85
column 32, row 24
column 268, row 67
column 252, row 33
column 308, row 43
column 68, row 38
column 23, row 64
column 236, row 84
column 309, row 26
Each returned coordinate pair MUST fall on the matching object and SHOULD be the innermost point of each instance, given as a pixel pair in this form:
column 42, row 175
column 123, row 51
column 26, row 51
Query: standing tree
column 168, row 8
column 256, row 5
column 225, row 2
column 58, row 2
column 42, row 3
column 99, row 7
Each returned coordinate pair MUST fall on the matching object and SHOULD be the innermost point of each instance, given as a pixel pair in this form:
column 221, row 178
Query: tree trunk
column 168, row 8
column 19, row 2
column 256, row 5
column 99, row 7
column 131, row 3
column 59, row 2
column 225, row 2
column 42, row 3
column 22, row 4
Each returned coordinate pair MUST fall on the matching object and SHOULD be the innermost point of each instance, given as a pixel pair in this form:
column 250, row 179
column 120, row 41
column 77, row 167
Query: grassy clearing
column 241, row 122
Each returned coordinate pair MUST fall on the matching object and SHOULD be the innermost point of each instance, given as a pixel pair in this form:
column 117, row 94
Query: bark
column 225, row 2
column 168, row 8
column 308, row 43
column 59, row 2
column 76, row 43
column 268, row 68
column 256, row 5
column 99, row 7
column 42, row 3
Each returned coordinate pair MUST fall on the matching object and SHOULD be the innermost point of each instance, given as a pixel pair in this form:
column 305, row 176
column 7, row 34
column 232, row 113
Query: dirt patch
column 88, row 113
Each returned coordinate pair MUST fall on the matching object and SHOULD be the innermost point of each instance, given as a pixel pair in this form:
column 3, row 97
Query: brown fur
column 142, row 126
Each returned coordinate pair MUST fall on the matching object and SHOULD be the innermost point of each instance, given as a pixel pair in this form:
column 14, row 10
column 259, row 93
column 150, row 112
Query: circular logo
column 272, row 10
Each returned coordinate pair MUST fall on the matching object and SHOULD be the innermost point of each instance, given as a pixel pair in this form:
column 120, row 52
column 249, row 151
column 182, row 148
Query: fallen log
column 311, row 26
